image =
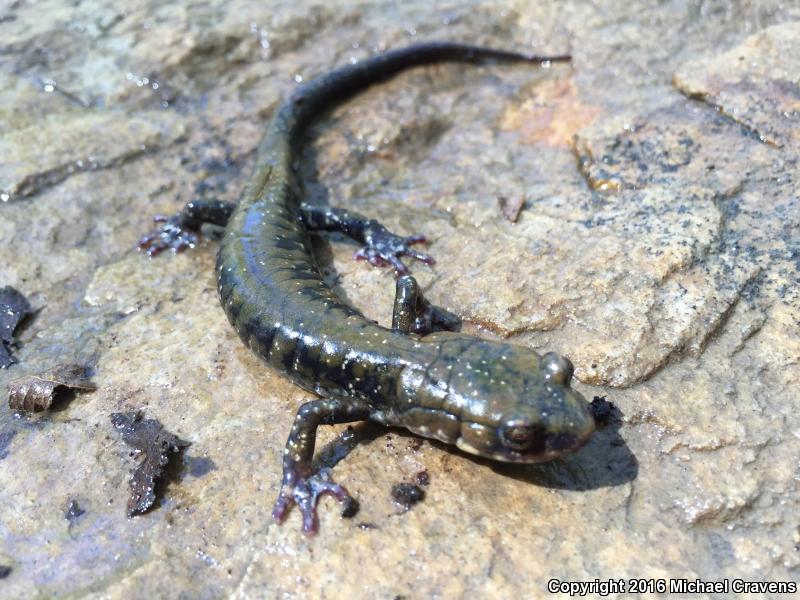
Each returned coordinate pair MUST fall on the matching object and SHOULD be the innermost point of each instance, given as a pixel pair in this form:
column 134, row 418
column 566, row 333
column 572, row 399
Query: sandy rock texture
column 658, row 246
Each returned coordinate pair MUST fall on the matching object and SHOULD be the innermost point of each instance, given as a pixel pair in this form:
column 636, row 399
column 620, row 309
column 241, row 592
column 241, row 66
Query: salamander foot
column 385, row 248
column 306, row 492
column 182, row 231
column 173, row 234
column 381, row 246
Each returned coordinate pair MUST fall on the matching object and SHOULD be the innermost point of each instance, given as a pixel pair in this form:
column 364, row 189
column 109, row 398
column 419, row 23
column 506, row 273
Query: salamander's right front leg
column 300, row 484
column 182, row 231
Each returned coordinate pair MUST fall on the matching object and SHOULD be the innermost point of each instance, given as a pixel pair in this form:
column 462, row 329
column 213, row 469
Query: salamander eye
column 557, row 368
column 519, row 434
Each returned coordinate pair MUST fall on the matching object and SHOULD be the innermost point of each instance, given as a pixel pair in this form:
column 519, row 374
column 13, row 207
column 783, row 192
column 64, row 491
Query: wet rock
column 40, row 158
column 754, row 84
column 656, row 248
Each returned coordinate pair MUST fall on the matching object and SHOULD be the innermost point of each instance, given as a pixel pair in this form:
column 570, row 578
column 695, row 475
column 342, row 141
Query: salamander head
column 535, row 419
column 508, row 403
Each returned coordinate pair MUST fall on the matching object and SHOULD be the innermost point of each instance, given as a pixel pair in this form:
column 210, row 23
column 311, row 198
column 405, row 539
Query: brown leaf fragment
column 38, row 392
column 73, row 511
column 14, row 308
column 6, row 359
column 6, row 435
column 511, row 207
column 148, row 437
column 407, row 495
column 602, row 410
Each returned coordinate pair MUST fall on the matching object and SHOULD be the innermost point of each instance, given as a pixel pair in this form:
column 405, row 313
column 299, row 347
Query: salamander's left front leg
column 300, row 484
column 381, row 246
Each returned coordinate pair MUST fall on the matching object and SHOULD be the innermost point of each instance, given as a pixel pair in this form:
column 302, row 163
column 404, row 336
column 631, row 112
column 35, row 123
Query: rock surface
column 658, row 246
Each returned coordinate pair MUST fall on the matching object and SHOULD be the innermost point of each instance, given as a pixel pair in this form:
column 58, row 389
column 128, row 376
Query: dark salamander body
column 493, row 399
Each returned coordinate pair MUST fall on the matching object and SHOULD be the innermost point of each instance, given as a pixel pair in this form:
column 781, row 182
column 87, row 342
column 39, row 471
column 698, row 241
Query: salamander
column 489, row 398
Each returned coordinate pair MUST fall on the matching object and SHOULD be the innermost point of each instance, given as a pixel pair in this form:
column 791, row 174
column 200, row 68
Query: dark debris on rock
column 147, row 437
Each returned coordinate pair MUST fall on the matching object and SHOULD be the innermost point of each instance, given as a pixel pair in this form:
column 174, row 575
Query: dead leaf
column 511, row 207
column 150, row 438
column 14, row 307
column 37, row 392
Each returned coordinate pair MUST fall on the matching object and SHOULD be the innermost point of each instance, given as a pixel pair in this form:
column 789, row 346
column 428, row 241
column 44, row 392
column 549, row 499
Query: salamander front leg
column 300, row 484
column 414, row 314
column 182, row 231
column 381, row 246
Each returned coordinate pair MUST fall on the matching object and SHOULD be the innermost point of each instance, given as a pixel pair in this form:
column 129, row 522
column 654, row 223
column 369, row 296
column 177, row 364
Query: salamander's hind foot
column 385, row 248
column 173, row 234
column 305, row 492
column 182, row 231
column 381, row 246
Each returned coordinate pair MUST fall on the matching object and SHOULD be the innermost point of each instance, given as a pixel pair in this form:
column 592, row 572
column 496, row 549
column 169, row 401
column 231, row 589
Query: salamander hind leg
column 412, row 313
column 381, row 246
column 182, row 231
column 301, row 485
